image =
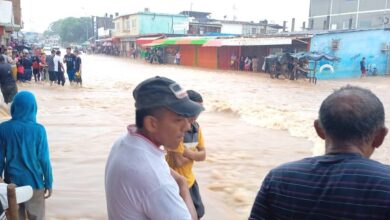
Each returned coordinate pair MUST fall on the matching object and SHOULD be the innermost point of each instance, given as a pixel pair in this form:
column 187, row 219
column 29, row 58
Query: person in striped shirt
column 342, row 184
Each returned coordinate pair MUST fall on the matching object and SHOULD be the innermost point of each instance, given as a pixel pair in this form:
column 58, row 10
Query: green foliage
column 71, row 30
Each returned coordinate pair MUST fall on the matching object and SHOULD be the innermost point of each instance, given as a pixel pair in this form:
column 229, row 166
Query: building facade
column 102, row 26
column 144, row 23
column 349, row 14
column 201, row 24
column 351, row 46
column 248, row 29
column 10, row 20
column 128, row 28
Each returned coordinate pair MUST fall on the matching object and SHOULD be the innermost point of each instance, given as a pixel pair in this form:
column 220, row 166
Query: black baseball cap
column 163, row 92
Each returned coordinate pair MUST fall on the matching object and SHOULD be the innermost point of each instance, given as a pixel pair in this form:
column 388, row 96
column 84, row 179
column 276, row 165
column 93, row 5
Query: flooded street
column 251, row 124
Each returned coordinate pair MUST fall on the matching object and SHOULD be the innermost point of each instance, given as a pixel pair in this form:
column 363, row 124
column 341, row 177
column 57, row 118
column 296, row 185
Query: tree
column 71, row 30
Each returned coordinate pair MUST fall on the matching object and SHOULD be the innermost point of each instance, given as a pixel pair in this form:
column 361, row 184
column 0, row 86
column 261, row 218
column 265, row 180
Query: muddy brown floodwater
column 251, row 124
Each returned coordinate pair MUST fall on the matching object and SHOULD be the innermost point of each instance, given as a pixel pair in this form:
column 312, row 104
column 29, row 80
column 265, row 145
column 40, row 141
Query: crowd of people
column 248, row 63
column 26, row 64
column 149, row 171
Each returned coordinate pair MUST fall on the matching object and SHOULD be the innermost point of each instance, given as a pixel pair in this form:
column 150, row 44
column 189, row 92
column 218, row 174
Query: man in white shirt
column 139, row 183
column 58, row 68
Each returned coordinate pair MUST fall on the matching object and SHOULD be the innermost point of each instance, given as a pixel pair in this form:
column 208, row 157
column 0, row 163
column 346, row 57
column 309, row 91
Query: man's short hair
column 351, row 114
column 58, row 52
column 140, row 115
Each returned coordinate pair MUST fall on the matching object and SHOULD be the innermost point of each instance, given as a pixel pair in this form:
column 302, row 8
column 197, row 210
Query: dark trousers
column 197, row 200
column 9, row 91
column 37, row 75
column 27, row 74
column 20, row 77
column 60, row 78
column 52, row 76
column 78, row 79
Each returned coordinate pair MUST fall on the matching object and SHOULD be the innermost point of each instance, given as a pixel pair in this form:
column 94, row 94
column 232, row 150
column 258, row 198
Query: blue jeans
column 27, row 74
column 71, row 74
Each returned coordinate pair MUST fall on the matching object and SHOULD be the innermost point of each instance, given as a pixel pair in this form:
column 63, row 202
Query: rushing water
column 252, row 123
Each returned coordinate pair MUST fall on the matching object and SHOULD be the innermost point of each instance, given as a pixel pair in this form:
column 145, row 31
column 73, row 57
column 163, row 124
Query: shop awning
column 146, row 40
column 213, row 43
column 192, row 41
column 178, row 41
column 116, row 40
column 248, row 42
column 170, row 41
column 155, row 43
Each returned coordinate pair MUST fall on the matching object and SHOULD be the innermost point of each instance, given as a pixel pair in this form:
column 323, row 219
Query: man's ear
column 379, row 137
column 320, row 131
column 150, row 124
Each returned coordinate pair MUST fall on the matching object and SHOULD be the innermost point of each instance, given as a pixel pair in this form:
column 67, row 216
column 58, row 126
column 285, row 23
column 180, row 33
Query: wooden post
column 12, row 211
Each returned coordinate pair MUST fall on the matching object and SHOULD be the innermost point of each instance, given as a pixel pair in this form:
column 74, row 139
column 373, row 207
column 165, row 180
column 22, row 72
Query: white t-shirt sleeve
column 165, row 203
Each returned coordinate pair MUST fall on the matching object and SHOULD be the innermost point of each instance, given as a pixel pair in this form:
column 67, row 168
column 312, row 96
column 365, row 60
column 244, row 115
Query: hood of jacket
column 24, row 107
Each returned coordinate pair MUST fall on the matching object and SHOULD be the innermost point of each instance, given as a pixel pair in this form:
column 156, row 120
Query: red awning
column 146, row 40
column 154, row 43
column 116, row 40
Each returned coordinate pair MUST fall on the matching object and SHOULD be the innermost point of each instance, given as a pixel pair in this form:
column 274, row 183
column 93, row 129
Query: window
column 127, row 25
column 134, row 23
column 254, row 30
column 201, row 30
column 246, row 31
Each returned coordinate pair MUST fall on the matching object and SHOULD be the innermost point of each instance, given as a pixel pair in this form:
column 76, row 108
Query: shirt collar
column 132, row 129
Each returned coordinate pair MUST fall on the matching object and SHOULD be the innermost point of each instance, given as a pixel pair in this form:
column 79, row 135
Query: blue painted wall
column 352, row 48
column 152, row 23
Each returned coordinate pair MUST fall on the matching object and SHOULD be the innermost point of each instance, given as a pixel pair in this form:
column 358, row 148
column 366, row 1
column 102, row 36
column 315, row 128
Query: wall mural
column 351, row 47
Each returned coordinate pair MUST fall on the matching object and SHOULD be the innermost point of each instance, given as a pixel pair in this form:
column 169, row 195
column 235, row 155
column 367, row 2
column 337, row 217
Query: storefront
column 230, row 49
column 207, row 57
column 189, row 55
column 214, row 53
column 126, row 44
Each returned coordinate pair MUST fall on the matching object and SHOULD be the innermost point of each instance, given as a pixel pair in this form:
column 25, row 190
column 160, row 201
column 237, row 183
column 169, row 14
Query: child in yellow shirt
column 191, row 149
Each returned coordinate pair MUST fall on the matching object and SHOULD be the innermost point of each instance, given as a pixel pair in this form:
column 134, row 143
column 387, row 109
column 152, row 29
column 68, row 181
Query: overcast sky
column 38, row 14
